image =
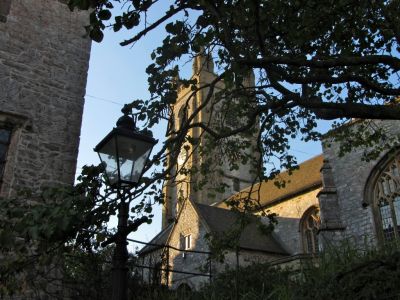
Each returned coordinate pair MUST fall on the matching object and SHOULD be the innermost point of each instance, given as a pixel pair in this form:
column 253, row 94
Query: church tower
column 44, row 61
column 204, row 178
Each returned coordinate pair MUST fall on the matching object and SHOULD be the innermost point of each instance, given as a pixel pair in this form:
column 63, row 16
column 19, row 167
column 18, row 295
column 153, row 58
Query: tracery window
column 5, row 136
column 386, row 195
column 310, row 223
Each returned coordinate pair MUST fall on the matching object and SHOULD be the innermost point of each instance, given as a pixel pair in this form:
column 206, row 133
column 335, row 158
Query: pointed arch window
column 386, row 196
column 182, row 115
column 310, row 223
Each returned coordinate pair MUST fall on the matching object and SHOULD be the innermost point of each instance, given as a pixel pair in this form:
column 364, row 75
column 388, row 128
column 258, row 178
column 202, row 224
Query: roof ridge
column 285, row 171
column 298, row 181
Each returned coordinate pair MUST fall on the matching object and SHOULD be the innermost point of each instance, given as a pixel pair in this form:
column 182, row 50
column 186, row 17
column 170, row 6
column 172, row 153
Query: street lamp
column 124, row 153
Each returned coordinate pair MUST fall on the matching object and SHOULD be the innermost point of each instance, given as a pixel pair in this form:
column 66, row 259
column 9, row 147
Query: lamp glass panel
column 133, row 154
column 108, row 157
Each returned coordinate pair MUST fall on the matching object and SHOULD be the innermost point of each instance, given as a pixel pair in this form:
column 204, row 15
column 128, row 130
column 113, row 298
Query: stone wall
column 245, row 258
column 43, row 70
column 289, row 214
column 188, row 223
column 153, row 274
column 350, row 174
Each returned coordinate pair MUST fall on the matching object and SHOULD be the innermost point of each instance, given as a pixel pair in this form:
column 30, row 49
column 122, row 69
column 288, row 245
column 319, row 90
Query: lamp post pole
column 120, row 257
column 124, row 153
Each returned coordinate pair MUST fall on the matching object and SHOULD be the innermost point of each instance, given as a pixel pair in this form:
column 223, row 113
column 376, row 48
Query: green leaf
column 117, row 26
column 96, row 35
column 104, row 15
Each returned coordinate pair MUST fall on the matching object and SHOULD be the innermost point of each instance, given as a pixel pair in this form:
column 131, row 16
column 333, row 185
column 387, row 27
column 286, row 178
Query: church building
column 329, row 200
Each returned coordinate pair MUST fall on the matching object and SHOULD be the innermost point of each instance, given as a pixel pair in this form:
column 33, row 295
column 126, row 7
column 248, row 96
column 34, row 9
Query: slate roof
column 305, row 178
column 221, row 220
column 157, row 242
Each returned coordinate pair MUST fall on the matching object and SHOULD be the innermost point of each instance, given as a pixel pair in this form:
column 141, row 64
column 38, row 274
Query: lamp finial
column 126, row 121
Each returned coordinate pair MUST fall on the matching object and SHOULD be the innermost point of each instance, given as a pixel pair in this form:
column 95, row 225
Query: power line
column 299, row 151
column 104, row 99
column 167, row 246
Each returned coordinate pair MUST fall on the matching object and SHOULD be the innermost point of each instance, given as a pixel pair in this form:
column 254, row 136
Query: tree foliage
column 61, row 229
column 340, row 273
column 313, row 60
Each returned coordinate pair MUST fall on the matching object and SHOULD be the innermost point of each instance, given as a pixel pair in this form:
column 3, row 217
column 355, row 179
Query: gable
column 188, row 222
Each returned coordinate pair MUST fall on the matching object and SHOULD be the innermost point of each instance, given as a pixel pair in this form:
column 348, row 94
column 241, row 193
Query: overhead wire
column 121, row 104
column 104, row 99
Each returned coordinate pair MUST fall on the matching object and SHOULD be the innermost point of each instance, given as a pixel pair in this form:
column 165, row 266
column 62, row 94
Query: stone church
column 329, row 200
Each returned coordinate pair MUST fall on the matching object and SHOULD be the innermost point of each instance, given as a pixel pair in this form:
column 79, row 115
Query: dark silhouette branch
column 323, row 63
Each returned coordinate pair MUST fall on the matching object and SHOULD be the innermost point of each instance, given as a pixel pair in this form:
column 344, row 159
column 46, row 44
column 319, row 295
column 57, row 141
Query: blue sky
column 117, row 76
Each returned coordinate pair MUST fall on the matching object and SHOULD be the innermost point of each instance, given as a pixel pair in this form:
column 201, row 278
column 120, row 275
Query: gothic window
column 5, row 136
column 5, row 6
column 182, row 115
column 386, row 197
column 310, row 223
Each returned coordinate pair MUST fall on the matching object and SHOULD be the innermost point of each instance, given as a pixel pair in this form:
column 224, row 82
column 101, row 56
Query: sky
column 117, row 76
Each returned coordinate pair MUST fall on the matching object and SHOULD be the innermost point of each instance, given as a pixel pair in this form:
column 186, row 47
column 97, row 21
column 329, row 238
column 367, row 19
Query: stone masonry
column 289, row 214
column 189, row 223
column 184, row 186
column 43, row 69
column 350, row 175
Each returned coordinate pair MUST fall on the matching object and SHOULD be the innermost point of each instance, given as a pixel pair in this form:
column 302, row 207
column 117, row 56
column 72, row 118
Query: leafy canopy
column 313, row 60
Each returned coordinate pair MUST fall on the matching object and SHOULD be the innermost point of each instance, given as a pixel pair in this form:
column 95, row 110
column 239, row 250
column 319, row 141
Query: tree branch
column 169, row 14
column 391, row 61
column 322, row 78
column 329, row 110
